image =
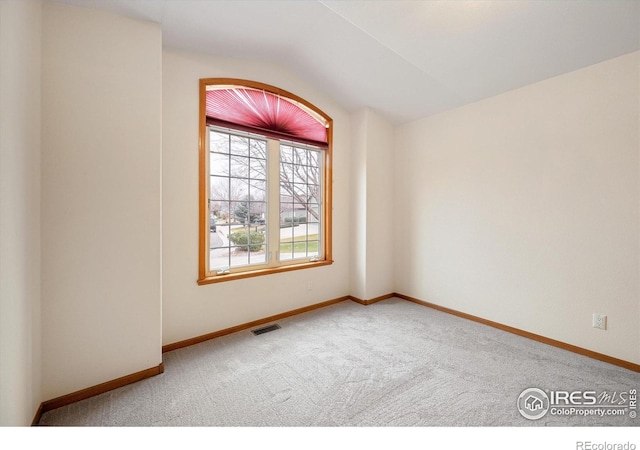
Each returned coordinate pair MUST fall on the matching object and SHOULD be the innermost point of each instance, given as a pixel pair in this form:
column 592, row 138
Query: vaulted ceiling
column 405, row 59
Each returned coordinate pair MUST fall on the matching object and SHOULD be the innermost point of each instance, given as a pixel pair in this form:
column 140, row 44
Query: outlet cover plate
column 599, row 321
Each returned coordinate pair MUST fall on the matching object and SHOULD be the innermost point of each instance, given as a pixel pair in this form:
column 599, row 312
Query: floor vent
column 266, row 329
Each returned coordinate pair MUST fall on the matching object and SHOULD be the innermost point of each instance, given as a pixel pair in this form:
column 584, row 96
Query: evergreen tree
column 242, row 212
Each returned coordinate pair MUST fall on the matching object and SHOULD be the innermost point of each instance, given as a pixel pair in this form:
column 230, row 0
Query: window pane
column 218, row 142
column 258, row 149
column 300, row 193
column 258, row 190
column 299, row 202
column 258, row 169
column 237, row 202
column 286, row 173
column 219, row 164
column 286, row 251
column 239, row 146
column 286, row 153
column 300, row 156
column 239, row 189
column 239, row 256
column 314, row 249
column 239, row 167
column 219, row 188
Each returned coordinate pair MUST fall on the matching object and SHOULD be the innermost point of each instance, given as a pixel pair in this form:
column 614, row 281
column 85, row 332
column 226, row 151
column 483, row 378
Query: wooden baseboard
column 372, row 301
column 536, row 337
column 96, row 390
column 245, row 326
column 37, row 416
column 138, row 376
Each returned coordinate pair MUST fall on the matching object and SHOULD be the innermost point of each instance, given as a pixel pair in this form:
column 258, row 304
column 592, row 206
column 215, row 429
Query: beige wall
column 358, row 209
column 523, row 208
column 190, row 310
column 20, row 33
column 380, row 209
column 101, row 155
column 372, row 217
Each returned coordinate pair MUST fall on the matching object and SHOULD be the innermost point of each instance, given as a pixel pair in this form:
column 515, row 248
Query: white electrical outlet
column 599, row 321
column 310, row 286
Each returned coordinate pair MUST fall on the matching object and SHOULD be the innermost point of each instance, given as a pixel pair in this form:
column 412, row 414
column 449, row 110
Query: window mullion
column 273, row 202
column 207, row 181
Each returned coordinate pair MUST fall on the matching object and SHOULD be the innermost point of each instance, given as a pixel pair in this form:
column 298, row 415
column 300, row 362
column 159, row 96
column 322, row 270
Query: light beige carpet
column 394, row 363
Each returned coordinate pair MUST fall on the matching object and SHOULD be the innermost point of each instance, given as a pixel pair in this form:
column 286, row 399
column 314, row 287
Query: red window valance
column 264, row 112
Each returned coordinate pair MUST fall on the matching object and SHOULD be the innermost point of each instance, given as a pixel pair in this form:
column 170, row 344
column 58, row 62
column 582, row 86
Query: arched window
column 265, row 181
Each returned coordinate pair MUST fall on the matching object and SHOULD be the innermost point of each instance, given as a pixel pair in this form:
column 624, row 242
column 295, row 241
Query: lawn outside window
column 265, row 181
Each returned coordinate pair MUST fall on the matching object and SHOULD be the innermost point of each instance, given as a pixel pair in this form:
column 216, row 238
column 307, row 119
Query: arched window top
column 261, row 108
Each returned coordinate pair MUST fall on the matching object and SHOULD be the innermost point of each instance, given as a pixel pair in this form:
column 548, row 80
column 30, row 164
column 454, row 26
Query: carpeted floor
column 394, row 363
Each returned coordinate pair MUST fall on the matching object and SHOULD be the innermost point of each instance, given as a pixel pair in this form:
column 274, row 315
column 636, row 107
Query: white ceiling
column 405, row 59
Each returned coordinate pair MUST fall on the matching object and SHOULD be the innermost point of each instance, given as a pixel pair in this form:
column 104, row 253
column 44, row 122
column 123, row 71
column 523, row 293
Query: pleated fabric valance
column 264, row 112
